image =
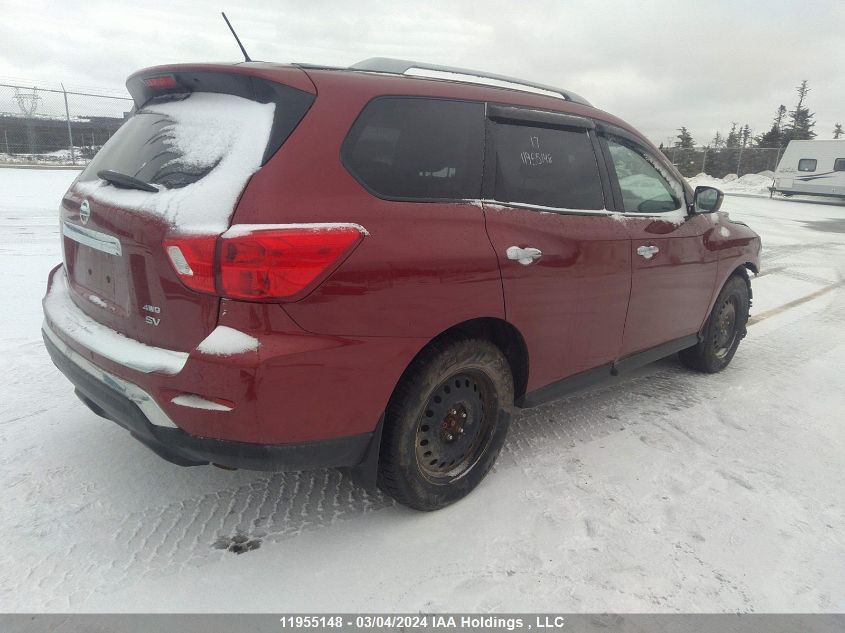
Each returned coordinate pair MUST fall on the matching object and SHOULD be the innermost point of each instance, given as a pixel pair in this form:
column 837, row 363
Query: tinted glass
column 807, row 164
column 839, row 164
column 140, row 149
column 178, row 140
column 644, row 188
column 418, row 148
column 546, row 167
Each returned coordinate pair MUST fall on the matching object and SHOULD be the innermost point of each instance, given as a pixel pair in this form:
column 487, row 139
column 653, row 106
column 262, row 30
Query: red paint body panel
column 296, row 387
column 570, row 304
column 669, row 292
column 327, row 363
column 141, row 276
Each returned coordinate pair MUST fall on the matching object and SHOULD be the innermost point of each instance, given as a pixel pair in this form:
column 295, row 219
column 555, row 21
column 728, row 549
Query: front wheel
column 724, row 329
column 445, row 424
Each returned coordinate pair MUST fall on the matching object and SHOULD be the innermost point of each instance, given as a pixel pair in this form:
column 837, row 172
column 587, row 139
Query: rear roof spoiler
column 291, row 102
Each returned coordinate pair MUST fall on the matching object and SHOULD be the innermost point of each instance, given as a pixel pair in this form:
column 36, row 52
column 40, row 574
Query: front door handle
column 647, row 251
column 524, row 256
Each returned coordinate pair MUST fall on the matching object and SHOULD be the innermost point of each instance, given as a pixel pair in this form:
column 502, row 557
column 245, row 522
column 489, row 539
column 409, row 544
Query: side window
column 807, row 164
column 839, row 164
column 547, row 167
column 414, row 148
column 645, row 188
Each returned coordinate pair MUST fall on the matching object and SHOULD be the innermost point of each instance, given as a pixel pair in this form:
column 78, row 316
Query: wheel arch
column 503, row 335
column 499, row 332
column 743, row 271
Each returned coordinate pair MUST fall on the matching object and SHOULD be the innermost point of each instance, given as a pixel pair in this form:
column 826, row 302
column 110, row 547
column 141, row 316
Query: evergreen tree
column 837, row 130
column 745, row 135
column 801, row 123
column 733, row 136
column 685, row 140
column 774, row 137
column 718, row 141
column 779, row 116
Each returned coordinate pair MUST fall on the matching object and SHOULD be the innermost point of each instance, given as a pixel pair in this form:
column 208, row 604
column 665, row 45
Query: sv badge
column 152, row 320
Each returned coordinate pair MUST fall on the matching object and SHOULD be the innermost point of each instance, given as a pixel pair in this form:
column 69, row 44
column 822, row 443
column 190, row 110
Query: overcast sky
column 657, row 64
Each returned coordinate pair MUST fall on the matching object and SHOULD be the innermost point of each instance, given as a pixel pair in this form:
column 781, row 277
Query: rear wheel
column 445, row 424
column 724, row 330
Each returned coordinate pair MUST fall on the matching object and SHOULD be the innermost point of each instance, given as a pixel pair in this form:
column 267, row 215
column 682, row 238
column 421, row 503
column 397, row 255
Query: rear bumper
column 135, row 410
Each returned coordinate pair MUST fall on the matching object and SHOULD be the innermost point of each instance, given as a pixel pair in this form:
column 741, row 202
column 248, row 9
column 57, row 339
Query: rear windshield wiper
column 124, row 181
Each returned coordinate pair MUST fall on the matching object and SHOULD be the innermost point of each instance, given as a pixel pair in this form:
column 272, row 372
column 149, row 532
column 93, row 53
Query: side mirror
column 707, row 199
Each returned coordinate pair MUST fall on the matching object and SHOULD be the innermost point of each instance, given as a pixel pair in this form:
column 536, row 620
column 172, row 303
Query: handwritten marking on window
column 535, row 158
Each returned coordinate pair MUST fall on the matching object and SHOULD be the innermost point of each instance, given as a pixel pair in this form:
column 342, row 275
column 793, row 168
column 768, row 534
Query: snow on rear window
column 220, row 134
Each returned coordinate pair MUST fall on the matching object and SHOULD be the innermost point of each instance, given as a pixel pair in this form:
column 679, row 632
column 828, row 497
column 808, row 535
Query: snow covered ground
column 667, row 491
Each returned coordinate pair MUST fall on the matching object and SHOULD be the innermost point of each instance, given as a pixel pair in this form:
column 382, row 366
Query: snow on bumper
column 273, row 383
column 132, row 392
column 63, row 315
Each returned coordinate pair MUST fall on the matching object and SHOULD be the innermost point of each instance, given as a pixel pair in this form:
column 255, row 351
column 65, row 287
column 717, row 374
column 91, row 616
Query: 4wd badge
column 152, row 320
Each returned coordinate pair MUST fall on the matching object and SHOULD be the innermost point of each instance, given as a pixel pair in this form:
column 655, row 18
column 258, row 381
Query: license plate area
column 97, row 273
column 96, row 266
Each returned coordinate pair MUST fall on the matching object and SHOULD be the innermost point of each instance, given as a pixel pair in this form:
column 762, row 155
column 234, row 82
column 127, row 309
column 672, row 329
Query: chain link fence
column 48, row 125
column 719, row 162
column 53, row 126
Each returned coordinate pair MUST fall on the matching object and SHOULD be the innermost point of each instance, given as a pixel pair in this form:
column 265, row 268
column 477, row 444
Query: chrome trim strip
column 145, row 402
column 95, row 239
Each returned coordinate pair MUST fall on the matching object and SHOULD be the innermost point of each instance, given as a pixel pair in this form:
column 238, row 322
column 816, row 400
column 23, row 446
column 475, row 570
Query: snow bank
column 226, row 341
column 73, row 323
column 749, row 184
column 225, row 131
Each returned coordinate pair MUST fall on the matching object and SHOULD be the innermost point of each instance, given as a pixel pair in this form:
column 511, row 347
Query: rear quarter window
column 412, row 148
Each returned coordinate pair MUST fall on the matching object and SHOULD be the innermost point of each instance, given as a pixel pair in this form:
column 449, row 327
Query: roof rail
column 402, row 66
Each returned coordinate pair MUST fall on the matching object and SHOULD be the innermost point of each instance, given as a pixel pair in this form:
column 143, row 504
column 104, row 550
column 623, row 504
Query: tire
column 724, row 330
column 445, row 424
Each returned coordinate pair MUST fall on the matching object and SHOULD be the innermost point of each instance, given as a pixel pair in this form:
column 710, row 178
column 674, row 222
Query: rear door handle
column 647, row 251
column 524, row 256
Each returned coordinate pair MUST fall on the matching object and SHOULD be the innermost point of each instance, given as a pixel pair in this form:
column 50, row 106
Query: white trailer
column 812, row 168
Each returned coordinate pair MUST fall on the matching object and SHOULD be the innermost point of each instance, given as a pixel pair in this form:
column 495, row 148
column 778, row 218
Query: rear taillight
column 193, row 258
column 260, row 262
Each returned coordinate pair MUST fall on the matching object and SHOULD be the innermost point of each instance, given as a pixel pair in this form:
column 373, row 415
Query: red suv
column 281, row 267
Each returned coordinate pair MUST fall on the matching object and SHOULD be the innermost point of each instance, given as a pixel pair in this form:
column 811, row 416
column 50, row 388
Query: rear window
column 807, row 164
column 199, row 151
column 546, row 167
column 178, row 140
column 418, row 149
column 839, row 164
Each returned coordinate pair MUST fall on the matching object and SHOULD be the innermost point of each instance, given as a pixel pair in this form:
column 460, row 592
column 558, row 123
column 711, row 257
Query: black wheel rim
column 725, row 330
column 455, row 426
